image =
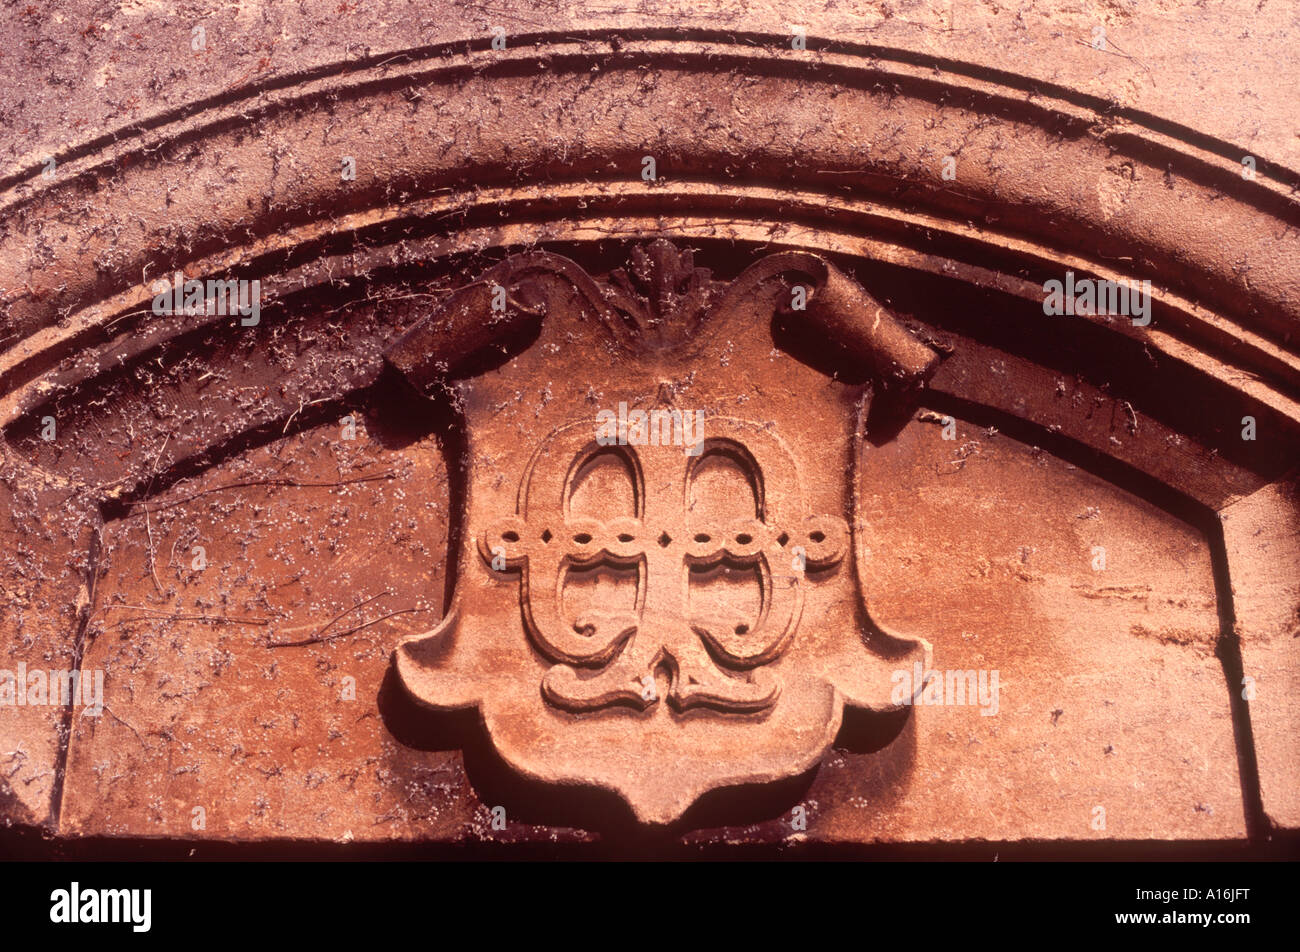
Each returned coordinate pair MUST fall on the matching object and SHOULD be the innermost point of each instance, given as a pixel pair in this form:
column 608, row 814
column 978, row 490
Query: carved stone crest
column 658, row 589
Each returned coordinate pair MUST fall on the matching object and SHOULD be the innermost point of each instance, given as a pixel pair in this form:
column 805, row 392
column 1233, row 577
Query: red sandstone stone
column 310, row 555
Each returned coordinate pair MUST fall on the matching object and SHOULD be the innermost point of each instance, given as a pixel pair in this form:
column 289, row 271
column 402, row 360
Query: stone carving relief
column 532, row 471
column 645, row 671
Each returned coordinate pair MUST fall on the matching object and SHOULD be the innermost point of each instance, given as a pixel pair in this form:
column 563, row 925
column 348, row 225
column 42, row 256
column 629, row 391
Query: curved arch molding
column 464, row 155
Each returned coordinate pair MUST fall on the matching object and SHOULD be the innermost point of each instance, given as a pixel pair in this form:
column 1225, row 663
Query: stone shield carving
column 659, row 588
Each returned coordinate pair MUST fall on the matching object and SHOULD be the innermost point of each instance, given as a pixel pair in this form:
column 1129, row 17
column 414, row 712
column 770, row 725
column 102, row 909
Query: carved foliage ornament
column 658, row 588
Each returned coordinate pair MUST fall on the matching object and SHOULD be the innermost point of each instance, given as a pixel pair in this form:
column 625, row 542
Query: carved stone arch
column 826, row 174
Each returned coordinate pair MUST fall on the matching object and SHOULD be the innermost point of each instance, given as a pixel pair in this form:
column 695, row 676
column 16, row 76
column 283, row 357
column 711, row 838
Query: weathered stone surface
column 227, row 688
column 47, row 538
column 987, row 548
column 1262, row 537
column 669, row 529
column 1019, row 492
column 1166, row 58
column 966, row 544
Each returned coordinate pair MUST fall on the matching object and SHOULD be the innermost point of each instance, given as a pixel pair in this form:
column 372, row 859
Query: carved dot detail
column 821, row 540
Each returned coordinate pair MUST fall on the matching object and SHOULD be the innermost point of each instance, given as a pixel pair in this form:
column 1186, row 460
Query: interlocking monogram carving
column 659, row 618
column 663, row 542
